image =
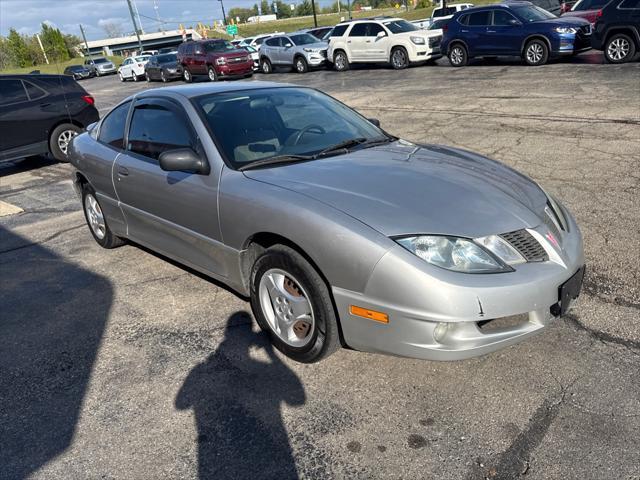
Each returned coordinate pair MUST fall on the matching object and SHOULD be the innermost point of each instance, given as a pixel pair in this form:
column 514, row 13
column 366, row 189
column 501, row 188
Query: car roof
column 371, row 19
column 31, row 75
column 197, row 89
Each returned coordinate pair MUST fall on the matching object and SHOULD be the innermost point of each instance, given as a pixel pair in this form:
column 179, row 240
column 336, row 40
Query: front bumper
column 435, row 314
column 423, row 54
column 235, row 71
column 316, row 59
column 106, row 71
column 570, row 44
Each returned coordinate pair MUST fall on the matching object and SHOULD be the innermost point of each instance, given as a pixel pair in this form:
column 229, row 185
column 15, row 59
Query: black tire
column 399, row 58
column 108, row 240
column 211, row 73
column 620, row 48
column 134, row 76
column 59, row 136
column 122, row 79
column 300, row 65
column 536, row 52
column 265, row 66
column 324, row 339
column 458, row 55
column 340, row 61
column 163, row 77
column 147, row 77
column 186, row 75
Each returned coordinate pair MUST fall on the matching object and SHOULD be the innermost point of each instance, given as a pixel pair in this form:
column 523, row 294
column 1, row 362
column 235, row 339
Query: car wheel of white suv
column 399, row 58
column 340, row 61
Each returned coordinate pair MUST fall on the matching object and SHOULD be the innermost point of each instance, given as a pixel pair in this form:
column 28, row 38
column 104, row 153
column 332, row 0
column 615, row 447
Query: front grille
column 237, row 60
column 528, row 246
column 435, row 41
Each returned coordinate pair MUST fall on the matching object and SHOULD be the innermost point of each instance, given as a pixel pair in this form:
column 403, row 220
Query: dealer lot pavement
column 120, row 364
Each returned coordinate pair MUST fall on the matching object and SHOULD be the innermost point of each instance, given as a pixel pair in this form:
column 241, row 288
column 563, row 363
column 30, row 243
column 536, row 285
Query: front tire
column 163, row 77
column 300, row 65
column 399, row 58
column 265, row 66
column 122, row 79
column 536, row 53
column 619, row 48
column 211, row 73
column 291, row 302
column 458, row 55
column 340, row 61
column 147, row 77
column 134, row 76
column 98, row 227
column 186, row 75
column 59, row 141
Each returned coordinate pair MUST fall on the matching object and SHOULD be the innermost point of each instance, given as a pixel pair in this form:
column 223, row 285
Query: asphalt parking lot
column 120, row 364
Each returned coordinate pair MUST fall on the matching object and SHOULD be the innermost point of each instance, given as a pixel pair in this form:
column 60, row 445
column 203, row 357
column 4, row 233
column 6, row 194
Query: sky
column 27, row 15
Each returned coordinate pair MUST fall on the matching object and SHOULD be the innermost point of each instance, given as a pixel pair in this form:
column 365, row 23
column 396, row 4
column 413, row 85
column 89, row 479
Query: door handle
column 491, row 31
column 348, row 41
column 45, row 105
column 124, row 171
column 464, row 31
column 367, row 41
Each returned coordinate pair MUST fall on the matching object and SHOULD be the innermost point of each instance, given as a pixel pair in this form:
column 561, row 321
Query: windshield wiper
column 275, row 160
column 380, row 141
column 352, row 142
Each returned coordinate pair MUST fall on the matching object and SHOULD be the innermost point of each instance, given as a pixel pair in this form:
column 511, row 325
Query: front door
column 174, row 213
column 504, row 36
column 377, row 48
column 356, row 42
column 199, row 63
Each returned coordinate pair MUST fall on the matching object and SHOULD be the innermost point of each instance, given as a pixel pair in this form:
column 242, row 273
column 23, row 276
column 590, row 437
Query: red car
column 217, row 59
column 587, row 9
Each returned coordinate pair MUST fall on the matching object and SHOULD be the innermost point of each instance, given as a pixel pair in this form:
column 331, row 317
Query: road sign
column 232, row 29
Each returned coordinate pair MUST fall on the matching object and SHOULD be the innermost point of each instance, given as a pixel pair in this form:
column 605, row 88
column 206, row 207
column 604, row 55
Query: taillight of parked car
column 89, row 99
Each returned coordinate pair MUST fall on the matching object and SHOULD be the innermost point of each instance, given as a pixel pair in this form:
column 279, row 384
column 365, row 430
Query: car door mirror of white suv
column 381, row 34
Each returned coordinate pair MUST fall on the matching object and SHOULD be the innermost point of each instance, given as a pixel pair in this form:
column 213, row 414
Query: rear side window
column 463, row 20
column 112, row 127
column 34, row 91
column 630, row 5
column 479, row 19
column 12, row 91
column 339, row 30
column 273, row 42
column 156, row 129
column 359, row 30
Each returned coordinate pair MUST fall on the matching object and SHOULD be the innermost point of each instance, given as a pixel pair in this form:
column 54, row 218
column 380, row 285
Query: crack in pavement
column 603, row 337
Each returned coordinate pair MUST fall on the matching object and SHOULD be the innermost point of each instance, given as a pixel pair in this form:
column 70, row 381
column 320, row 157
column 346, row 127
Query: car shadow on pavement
column 52, row 318
column 236, row 400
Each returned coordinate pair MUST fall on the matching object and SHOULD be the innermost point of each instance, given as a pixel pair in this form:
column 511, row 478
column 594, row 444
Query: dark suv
column 41, row 114
column 215, row 58
column 617, row 30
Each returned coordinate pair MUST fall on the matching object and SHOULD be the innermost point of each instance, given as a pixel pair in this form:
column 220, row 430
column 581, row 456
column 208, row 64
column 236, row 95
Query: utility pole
column 135, row 7
column 349, row 8
column 86, row 45
column 155, row 7
column 135, row 26
column 313, row 6
column 42, row 48
column 224, row 17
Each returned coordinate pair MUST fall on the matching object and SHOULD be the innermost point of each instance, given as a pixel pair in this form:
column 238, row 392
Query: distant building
column 262, row 18
column 150, row 41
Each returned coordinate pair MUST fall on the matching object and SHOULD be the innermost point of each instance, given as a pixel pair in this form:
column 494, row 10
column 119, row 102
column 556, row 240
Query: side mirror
column 183, row 160
column 287, row 45
column 514, row 22
column 375, row 121
column 381, row 34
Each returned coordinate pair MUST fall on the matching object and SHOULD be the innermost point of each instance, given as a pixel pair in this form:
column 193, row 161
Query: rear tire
column 620, row 48
column 305, row 339
column 96, row 222
column 163, row 77
column 186, row 75
column 134, row 76
column 536, row 52
column 122, row 79
column 211, row 73
column 59, row 140
column 458, row 55
column 147, row 77
column 340, row 61
column 265, row 66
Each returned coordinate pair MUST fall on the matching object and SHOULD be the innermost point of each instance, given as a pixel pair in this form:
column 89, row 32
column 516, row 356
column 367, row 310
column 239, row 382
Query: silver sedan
column 337, row 231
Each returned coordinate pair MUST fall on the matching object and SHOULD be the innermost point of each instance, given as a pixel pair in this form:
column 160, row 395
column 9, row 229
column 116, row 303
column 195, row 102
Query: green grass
column 57, row 67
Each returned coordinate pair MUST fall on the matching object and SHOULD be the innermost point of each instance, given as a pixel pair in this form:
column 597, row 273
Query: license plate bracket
column 570, row 290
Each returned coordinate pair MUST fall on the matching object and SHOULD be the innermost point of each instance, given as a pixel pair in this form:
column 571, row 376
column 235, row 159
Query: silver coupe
column 339, row 233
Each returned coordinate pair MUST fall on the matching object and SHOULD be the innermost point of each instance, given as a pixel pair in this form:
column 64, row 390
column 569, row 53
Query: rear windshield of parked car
column 100, row 60
column 532, row 13
column 167, row 58
column 217, row 47
column 400, row 26
column 303, row 39
column 589, row 5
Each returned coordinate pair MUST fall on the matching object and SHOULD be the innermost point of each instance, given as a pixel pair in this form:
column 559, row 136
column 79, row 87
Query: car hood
column 419, row 33
column 403, row 189
column 567, row 21
column 319, row 45
column 587, row 15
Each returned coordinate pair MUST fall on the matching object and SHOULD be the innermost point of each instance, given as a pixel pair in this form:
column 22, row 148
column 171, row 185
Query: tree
column 113, row 30
column 304, row 8
column 53, row 43
column 265, row 9
column 283, row 10
column 73, row 44
column 17, row 48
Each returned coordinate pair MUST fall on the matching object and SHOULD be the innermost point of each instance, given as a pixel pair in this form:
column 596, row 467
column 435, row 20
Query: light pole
column 135, row 26
column 313, row 6
column 86, row 44
column 224, row 16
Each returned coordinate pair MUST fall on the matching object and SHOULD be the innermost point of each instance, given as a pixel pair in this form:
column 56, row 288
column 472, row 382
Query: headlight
column 418, row 40
column 311, row 50
column 221, row 61
column 501, row 249
column 565, row 30
column 453, row 253
column 172, row 70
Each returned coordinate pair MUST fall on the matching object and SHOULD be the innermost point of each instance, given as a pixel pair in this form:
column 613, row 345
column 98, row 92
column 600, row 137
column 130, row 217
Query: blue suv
column 513, row 29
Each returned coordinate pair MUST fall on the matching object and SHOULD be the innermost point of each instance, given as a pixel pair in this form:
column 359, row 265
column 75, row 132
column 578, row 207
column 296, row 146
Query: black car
column 163, row 67
column 617, row 30
column 78, row 72
column 41, row 114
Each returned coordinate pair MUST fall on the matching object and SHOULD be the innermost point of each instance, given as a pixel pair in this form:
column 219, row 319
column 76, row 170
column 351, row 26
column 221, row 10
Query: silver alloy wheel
column 535, row 53
column 266, row 67
column 134, row 76
column 163, row 77
column 341, row 61
column 300, row 66
column 212, row 75
column 64, row 138
column 399, row 58
column 94, row 215
column 186, row 74
column 618, row 49
column 121, row 77
column 456, row 55
column 286, row 307
column 146, row 76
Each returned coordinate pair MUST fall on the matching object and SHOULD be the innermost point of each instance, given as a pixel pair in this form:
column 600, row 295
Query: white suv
column 381, row 40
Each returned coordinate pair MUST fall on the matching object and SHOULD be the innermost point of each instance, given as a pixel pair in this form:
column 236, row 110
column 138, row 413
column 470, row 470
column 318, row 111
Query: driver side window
column 502, row 18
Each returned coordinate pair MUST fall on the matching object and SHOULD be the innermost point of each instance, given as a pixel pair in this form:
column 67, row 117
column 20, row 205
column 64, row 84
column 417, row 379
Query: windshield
column 400, row 26
column 532, row 13
column 218, row 46
column 250, row 49
column 264, row 123
column 303, row 39
column 438, row 24
column 167, row 58
column 100, row 60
